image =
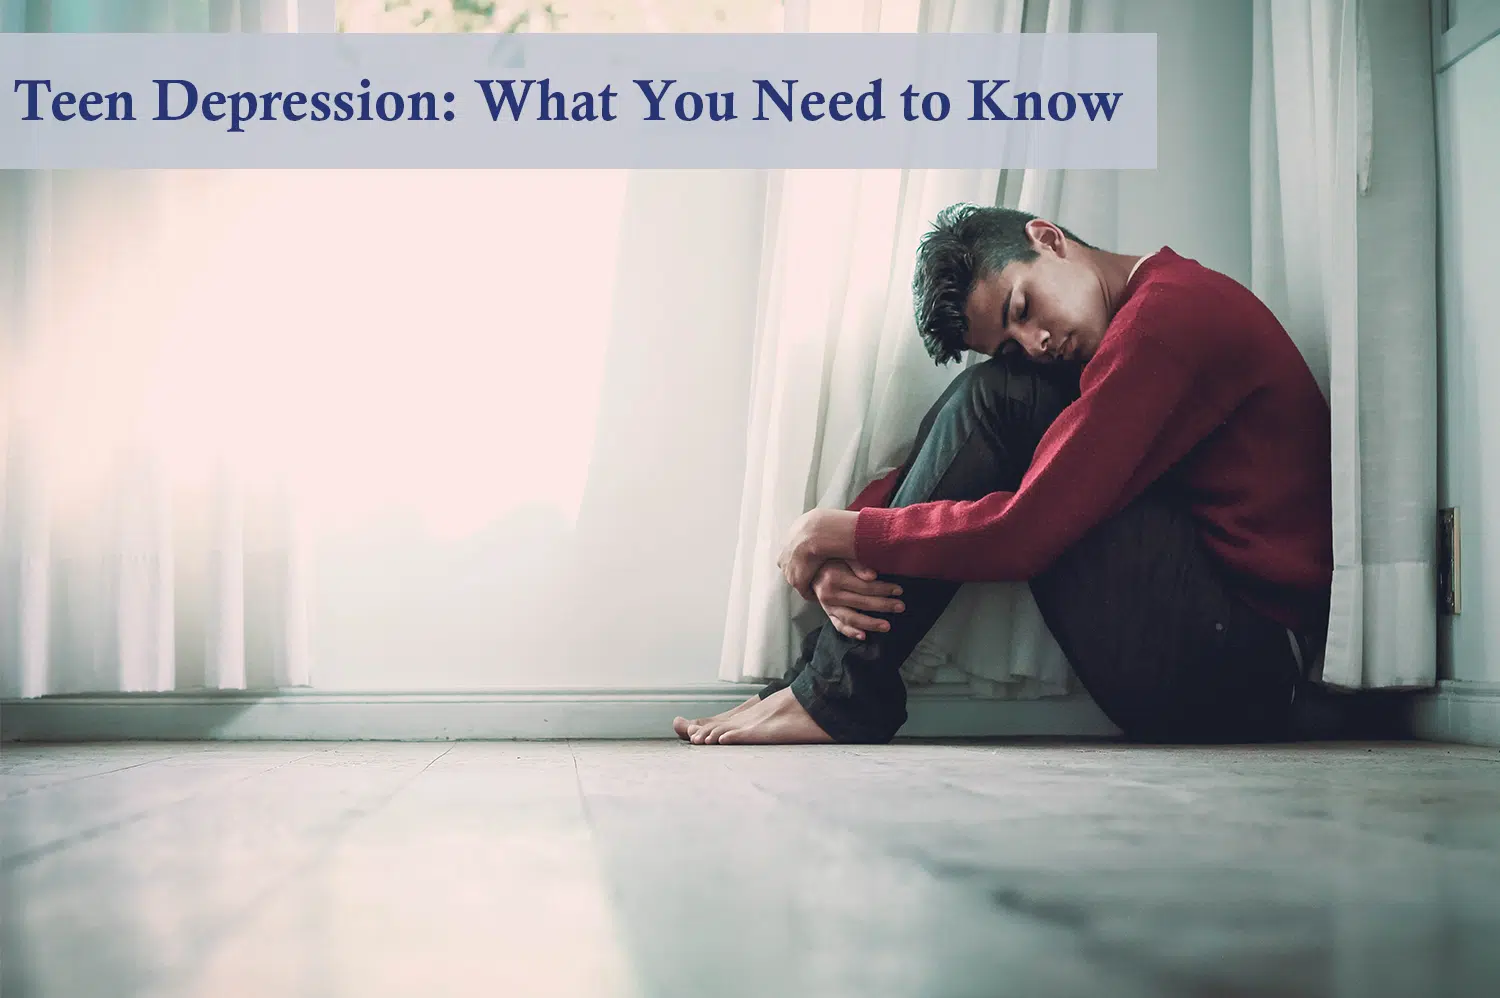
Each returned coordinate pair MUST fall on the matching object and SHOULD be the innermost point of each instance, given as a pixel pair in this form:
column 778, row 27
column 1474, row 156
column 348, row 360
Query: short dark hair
column 966, row 243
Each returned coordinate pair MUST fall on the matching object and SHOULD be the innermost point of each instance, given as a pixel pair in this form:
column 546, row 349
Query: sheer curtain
column 1344, row 251
column 840, row 381
column 396, row 423
column 136, row 552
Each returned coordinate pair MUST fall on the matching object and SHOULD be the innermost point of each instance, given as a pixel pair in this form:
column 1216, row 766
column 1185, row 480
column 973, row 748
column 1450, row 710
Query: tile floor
column 598, row 869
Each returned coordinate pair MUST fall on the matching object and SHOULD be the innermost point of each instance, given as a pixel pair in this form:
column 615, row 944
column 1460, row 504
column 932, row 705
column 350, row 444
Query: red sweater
column 1195, row 383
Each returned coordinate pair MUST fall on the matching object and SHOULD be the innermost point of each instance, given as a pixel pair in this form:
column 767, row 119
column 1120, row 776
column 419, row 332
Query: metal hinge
column 1450, row 563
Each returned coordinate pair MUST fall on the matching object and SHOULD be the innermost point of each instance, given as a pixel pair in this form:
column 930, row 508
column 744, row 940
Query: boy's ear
column 1044, row 234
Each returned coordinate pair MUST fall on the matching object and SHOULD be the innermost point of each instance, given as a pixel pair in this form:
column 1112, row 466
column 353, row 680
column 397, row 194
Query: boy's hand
column 819, row 535
column 845, row 588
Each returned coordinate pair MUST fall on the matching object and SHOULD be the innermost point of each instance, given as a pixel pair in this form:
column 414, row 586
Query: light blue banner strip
column 1076, row 101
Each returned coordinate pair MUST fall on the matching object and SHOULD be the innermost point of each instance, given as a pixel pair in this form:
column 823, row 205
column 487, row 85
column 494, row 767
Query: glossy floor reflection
column 599, row 869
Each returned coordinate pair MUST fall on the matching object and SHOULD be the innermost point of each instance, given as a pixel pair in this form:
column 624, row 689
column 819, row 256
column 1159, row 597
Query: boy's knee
column 1011, row 390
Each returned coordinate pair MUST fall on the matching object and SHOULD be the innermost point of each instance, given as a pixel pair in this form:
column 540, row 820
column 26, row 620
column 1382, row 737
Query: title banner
column 1076, row 101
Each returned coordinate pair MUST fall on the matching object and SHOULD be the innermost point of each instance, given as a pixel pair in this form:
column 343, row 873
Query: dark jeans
column 1142, row 612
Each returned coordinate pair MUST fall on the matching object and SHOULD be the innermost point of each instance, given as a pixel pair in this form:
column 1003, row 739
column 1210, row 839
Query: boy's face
column 1053, row 307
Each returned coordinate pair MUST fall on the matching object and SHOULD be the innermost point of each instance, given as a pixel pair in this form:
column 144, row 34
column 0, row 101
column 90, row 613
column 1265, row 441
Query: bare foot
column 777, row 720
column 684, row 727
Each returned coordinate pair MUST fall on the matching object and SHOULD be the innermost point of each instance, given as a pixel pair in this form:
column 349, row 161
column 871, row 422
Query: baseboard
column 309, row 715
column 1459, row 711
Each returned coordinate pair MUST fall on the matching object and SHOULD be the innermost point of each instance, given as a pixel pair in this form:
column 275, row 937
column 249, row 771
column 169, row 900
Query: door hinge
column 1450, row 563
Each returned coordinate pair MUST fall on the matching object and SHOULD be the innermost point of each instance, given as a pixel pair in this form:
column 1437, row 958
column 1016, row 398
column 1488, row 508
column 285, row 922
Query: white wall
column 1469, row 337
column 1197, row 200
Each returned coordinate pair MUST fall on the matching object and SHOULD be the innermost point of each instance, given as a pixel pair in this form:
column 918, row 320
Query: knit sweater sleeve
column 1105, row 448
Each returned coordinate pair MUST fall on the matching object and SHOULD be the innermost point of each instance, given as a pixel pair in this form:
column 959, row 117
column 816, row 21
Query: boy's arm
column 1088, row 464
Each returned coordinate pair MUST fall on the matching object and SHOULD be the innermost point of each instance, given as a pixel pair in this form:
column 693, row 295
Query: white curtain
column 138, row 550
column 840, row 382
column 1344, row 251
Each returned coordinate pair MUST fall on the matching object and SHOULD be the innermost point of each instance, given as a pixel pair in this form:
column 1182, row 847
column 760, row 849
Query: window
column 560, row 15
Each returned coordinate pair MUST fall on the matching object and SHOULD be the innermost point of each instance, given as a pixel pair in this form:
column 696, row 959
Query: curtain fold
column 1344, row 251
column 123, row 565
column 840, row 382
